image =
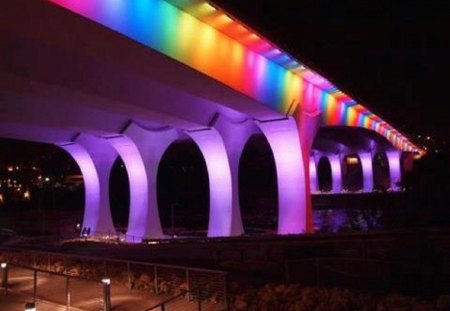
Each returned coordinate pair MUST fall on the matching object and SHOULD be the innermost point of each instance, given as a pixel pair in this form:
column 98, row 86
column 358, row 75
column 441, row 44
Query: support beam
column 336, row 172
column 95, row 158
column 308, row 123
column 284, row 140
column 235, row 134
column 141, row 151
column 220, row 184
column 395, row 174
column 367, row 169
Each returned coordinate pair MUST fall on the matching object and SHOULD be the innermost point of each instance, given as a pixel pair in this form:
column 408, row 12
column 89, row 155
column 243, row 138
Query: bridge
column 109, row 78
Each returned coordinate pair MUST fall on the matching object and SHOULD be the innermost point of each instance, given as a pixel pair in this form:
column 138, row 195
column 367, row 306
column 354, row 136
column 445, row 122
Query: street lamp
column 30, row 306
column 4, row 267
column 107, row 293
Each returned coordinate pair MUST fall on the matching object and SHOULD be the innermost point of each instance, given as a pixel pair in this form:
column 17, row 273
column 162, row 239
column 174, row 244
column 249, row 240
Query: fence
column 209, row 287
column 60, row 289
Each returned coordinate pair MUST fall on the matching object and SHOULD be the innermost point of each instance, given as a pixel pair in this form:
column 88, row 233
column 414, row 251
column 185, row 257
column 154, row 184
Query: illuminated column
column 95, row 157
column 336, row 172
column 235, row 135
column 393, row 157
column 214, row 152
column 313, row 181
column 284, row 141
column 367, row 169
column 308, row 123
column 141, row 151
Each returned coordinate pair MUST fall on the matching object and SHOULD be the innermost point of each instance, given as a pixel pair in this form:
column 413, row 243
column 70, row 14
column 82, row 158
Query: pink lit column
column 220, row 185
column 367, row 169
column 235, row 134
column 141, row 151
column 336, row 172
column 283, row 138
column 95, row 158
column 393, row 157
column 308, row 123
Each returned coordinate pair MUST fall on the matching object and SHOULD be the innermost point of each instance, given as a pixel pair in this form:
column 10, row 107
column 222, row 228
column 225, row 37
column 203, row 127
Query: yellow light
column 26, row 195
column 207, row 8
column 1, row 199
column 352, row 160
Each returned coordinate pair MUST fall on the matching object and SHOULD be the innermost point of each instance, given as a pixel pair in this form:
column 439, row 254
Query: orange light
column 352, row 160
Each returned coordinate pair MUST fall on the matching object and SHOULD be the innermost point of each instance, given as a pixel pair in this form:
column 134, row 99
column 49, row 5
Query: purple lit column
column 220, row 184
column 141, row 151
column 284, row 141
column 393, row 157
column 367, row 169
column 235, row 134
column 95, row 158
column 336, row 172
column 313, row 182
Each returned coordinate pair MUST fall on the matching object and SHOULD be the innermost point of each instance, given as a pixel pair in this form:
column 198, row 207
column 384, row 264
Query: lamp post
column 4, row 268
column 107, row 293
column 30, row 306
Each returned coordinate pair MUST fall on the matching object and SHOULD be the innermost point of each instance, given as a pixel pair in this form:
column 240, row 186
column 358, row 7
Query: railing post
column 317, row 272
column 187, row 280
column 287, row 278
column 155, row 279
column 4, row 267
column 34, row 285
column 129, row 274
column 199, row 298
column 107, row 293
column 67, row 294
column 225, row 292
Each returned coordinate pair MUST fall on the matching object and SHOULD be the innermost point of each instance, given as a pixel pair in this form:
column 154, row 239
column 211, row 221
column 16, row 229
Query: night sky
column 391, row 55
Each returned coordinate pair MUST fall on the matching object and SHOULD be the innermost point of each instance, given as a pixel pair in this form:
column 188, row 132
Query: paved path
column 84, row 295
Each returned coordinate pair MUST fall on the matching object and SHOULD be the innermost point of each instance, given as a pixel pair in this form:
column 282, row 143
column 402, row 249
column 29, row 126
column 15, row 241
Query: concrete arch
column 95, row 158
column 141, row 150
column 336, row 172
column 235, row 133
column 284, row 140
column 220, row 181
column 366, row 161
column 395, row 172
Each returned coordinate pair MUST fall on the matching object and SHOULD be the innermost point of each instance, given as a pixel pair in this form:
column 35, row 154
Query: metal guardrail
column 53, row 287
column 143, row 276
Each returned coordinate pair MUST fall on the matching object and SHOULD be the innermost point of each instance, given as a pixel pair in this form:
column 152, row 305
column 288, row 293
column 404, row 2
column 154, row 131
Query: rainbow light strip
column 206, row 38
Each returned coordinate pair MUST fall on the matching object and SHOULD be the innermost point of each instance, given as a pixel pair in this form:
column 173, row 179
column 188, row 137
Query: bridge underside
column 98, row 95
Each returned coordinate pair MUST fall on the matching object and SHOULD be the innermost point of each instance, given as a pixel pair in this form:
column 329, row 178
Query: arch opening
column 352, row 173
column 258, row 192
column 381, row 174
column 119, row 195
column 42, row 189
column 324, row 175
column 183, row 190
